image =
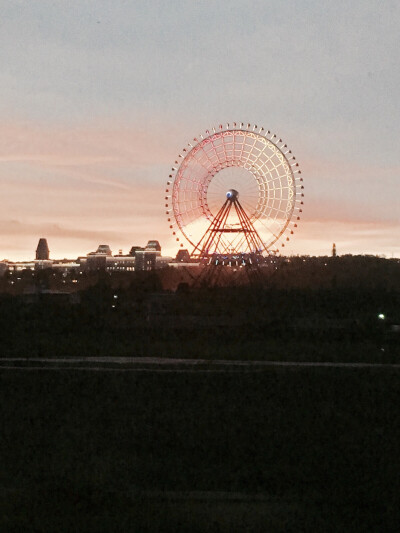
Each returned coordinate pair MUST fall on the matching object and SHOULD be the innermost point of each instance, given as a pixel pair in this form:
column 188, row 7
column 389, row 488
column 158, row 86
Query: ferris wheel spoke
column 268, row 228
column 249, row 207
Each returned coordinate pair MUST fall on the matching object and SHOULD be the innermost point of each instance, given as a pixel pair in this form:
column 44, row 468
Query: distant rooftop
column 153, row 245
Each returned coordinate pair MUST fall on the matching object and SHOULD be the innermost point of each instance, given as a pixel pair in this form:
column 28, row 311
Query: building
column 134, row 249
column 139, row 258
column 97, row 260
column 182, row 256
column 42, row 250
column 183, row 260
column 102, row 259
column 41, row 264
column 150, row 257
column 3, row 267
column 163, row 261
column 102, row 250
column 20, row 266
column 65, row 266
column 145, row 259
column 120, row 263
column 153, row 246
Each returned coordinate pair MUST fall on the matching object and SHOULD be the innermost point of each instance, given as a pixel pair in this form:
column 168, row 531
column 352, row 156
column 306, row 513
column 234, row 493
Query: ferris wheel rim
column 264, row 177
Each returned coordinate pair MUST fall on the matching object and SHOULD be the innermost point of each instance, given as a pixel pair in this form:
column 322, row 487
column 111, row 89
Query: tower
column 42, row 250
column 334, row 250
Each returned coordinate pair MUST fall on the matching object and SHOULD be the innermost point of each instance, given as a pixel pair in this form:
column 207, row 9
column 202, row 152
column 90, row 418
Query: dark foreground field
column 285, row 449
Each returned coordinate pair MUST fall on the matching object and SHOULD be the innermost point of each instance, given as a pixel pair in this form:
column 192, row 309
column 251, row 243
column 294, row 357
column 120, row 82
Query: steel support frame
column 210, row 243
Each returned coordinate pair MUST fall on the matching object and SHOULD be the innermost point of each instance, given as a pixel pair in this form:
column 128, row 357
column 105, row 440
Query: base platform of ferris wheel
column 222, row 270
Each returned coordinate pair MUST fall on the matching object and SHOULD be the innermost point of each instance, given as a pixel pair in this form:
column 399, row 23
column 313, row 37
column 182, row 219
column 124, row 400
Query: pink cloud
column 90, row 145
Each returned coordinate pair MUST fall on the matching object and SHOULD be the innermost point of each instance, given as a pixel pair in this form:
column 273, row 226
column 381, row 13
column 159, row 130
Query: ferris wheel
column 236, row 190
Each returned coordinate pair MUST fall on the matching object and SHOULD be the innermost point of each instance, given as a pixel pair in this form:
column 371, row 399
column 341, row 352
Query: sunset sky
column 98, row 98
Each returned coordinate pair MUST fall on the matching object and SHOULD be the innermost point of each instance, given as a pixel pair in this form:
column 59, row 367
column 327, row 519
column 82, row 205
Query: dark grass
column 210, row 347
column 326, row 324
column 298, row 449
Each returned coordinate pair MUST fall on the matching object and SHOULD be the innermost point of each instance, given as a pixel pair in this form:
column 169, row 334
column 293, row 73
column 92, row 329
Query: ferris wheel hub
column 232, row 194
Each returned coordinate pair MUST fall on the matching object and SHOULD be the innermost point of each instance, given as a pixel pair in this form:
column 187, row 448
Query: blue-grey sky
column 98, row 98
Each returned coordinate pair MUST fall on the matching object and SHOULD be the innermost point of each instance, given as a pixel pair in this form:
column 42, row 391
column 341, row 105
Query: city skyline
column 98, row 101
column 126, row 252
